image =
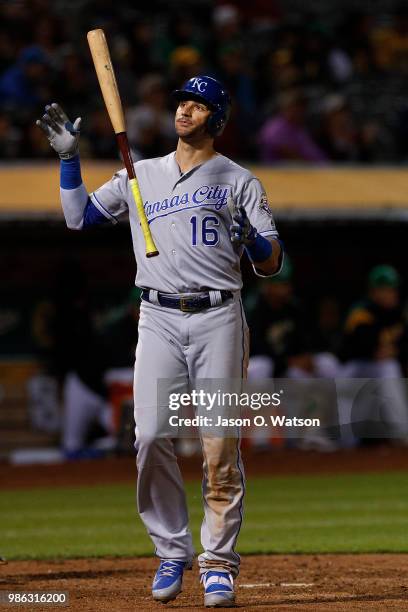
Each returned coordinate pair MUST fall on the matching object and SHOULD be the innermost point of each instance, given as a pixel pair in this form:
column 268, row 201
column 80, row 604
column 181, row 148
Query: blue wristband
column 70, row 173
column 260, row 250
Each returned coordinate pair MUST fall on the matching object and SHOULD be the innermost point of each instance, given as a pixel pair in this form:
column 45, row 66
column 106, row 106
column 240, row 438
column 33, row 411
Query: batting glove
column 241, row 231
column 62, row 134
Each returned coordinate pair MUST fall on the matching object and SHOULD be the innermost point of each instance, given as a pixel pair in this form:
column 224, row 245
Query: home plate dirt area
column 281, row 582
column 270, row 582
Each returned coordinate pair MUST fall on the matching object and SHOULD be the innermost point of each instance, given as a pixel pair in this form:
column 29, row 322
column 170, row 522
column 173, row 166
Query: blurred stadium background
column 320, row 115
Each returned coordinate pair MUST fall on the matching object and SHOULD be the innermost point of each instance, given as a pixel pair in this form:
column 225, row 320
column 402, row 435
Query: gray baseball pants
column 174, row 345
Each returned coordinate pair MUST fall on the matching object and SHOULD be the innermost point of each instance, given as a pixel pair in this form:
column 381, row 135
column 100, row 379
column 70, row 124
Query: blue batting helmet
column 212, row 93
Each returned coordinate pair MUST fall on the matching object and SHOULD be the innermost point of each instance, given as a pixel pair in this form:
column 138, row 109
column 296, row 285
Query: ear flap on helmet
column 217, row 121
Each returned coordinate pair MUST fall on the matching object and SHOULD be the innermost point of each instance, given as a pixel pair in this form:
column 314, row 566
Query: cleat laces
column 168, row 568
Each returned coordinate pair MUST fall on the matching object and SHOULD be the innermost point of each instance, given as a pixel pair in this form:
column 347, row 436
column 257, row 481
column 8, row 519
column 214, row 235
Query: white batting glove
column 61, row 133
column 241, row 231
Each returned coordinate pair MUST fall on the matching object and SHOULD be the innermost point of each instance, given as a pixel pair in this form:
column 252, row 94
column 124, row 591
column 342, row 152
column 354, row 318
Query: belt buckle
column 184, row 305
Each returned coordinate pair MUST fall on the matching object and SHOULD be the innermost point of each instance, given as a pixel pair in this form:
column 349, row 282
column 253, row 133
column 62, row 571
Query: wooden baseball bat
column 107, row 81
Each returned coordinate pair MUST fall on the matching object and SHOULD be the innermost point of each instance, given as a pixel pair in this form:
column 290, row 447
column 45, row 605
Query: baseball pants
column 179, row 346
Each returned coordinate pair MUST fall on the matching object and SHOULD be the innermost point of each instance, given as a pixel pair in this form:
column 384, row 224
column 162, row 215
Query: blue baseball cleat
column 168, row 580
column 218, row 590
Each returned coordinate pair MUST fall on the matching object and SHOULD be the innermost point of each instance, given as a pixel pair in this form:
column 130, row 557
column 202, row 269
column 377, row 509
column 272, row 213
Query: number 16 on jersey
column 204, row 230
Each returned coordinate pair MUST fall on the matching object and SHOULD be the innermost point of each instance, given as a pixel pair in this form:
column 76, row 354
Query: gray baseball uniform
column 190, row 220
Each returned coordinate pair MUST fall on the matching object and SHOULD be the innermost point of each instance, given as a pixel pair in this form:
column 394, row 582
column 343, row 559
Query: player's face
column 191, row 119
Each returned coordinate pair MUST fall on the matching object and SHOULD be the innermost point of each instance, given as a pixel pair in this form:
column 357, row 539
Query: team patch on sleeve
column 264, row 206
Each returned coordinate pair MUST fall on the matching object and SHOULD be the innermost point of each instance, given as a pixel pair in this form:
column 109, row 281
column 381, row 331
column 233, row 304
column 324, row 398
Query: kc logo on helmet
column 198, row 84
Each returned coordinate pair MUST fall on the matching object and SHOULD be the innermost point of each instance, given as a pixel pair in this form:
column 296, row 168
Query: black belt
column 188, row 303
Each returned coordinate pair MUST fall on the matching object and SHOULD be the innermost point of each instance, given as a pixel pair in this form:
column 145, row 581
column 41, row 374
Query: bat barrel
column 107, row 81
column 106, row 77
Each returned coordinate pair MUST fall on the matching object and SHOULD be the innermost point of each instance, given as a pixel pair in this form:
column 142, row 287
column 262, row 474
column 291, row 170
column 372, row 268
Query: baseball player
column 192, row 324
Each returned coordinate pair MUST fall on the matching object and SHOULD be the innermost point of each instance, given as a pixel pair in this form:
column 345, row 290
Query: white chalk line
column 254, row 585
column 297, row 584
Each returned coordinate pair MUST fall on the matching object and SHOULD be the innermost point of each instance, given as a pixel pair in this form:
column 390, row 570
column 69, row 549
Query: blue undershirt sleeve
column 92, row 216
column 79, row 210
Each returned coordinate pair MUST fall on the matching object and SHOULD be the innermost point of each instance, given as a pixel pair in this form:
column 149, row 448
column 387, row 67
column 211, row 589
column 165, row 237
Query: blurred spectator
column 185, row 62
column 339, row 138
column 375, row 333
column 182, row 32
column 275, row 71
column 390, row 42
column 227, row 24
column 376, row 347
column 150, row 124
column 226, row 29
column 25, row 83
column 317, row 50
column 285, row 137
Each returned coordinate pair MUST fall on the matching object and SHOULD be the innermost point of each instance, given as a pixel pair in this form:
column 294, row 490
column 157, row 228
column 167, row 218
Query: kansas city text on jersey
column 206, row 195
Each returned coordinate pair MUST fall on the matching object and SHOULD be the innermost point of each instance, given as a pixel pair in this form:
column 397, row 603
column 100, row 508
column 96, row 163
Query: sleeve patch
column 264, row 206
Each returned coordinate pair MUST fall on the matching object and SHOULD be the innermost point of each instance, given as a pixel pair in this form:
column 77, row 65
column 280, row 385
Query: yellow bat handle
column 151, row 249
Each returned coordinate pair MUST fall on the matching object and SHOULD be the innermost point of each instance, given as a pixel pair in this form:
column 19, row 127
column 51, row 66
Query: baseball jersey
column 189, row 220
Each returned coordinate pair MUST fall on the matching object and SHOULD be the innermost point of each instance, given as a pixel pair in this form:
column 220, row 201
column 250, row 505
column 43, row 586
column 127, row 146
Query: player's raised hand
column 241, row 230
column 62, row 134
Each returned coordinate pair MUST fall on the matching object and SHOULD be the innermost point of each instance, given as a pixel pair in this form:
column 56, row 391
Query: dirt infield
column 284, row 583
column 274, row 582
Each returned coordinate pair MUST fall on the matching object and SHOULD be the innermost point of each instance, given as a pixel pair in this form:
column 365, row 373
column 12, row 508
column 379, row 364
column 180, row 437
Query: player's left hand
column 241, row 231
